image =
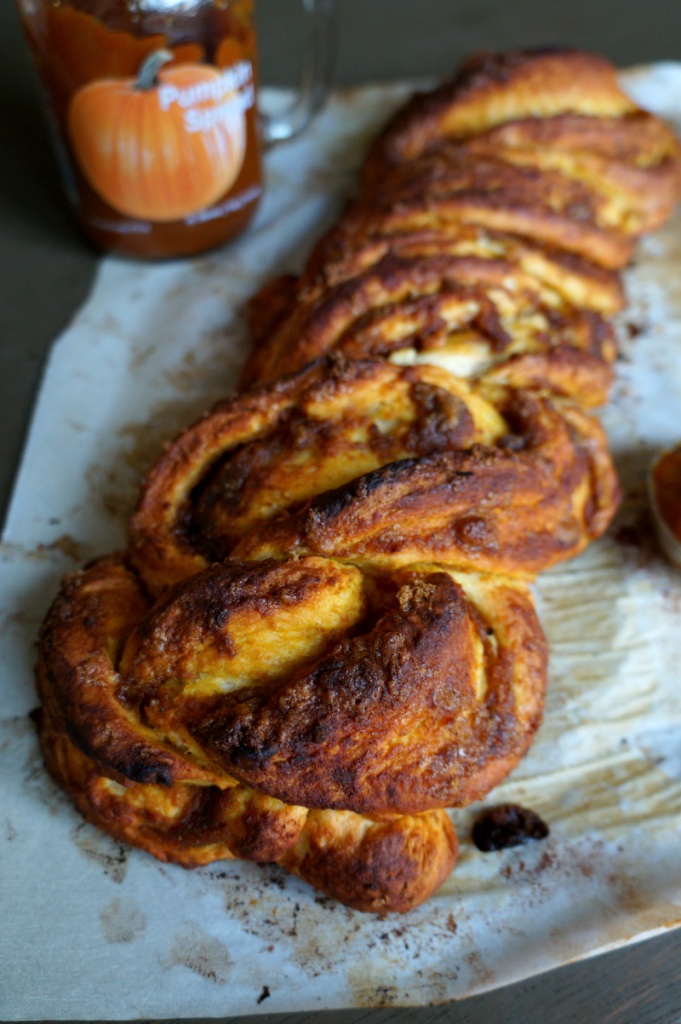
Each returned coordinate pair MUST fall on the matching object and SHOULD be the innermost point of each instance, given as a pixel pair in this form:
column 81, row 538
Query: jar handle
column 315, row 80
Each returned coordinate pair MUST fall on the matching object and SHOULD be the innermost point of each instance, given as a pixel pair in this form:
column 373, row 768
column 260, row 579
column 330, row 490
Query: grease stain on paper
column 322, row 936
column 121, row 921
column 201, row 953
column 95, row 845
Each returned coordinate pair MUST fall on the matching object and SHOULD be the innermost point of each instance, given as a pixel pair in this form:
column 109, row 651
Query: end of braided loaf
column 495, row 88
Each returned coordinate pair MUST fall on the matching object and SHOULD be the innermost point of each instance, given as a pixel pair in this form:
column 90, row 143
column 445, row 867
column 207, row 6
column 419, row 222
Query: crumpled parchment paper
column 93, row 929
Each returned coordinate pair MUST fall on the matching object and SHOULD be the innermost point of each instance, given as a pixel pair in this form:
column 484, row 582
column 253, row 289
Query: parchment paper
column 93, row 929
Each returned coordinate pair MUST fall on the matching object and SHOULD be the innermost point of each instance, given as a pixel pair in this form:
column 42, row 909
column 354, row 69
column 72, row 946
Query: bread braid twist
column 321, row 634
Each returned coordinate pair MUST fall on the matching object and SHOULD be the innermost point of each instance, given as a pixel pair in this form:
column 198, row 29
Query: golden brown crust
column 186, row 824
column 431, row 304
column 539, row 497
column 445, row 688
column 383, row 465
column 374, row 866
column 582, row 376
column 256, row 458
column 534, row 181
column 377, row 867
column 493, row 88
column 451, row 184
column 305, row 678
column 362, row 237
column 80, row 642
column 631, row 163
column 526, row 154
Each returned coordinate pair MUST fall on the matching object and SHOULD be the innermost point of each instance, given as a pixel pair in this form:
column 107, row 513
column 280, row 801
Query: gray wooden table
column 46, row 272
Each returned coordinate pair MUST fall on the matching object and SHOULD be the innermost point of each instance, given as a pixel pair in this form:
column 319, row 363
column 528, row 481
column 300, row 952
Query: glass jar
column 153, row 105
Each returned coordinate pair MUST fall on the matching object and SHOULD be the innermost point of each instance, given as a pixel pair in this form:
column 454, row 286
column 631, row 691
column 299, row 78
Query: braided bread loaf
column 321, row 634
column 381, row 465
column 496, row 212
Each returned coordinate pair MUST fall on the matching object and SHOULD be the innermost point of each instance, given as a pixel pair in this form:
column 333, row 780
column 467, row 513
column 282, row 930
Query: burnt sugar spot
column 265, row 994
column 635, row 536
column 633, row 329
column 98, row 847
column 202, row 953
column 507, row 825
column 121, row 921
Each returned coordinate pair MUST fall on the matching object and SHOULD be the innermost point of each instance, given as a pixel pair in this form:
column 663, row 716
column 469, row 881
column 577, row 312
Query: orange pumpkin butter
column 162, row 146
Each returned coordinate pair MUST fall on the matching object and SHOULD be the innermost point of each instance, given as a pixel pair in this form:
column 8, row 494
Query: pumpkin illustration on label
column 164, row 145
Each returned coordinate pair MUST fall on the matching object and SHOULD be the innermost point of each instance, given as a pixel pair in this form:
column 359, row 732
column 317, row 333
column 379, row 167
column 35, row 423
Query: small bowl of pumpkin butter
column 664, row 491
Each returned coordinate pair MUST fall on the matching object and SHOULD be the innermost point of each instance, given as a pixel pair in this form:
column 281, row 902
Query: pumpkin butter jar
column 153, row 106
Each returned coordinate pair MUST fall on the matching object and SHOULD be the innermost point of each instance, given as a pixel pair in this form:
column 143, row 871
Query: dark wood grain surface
column 46, row 270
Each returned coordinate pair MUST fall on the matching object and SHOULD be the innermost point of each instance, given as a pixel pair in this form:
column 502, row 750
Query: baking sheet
column 93, row 929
